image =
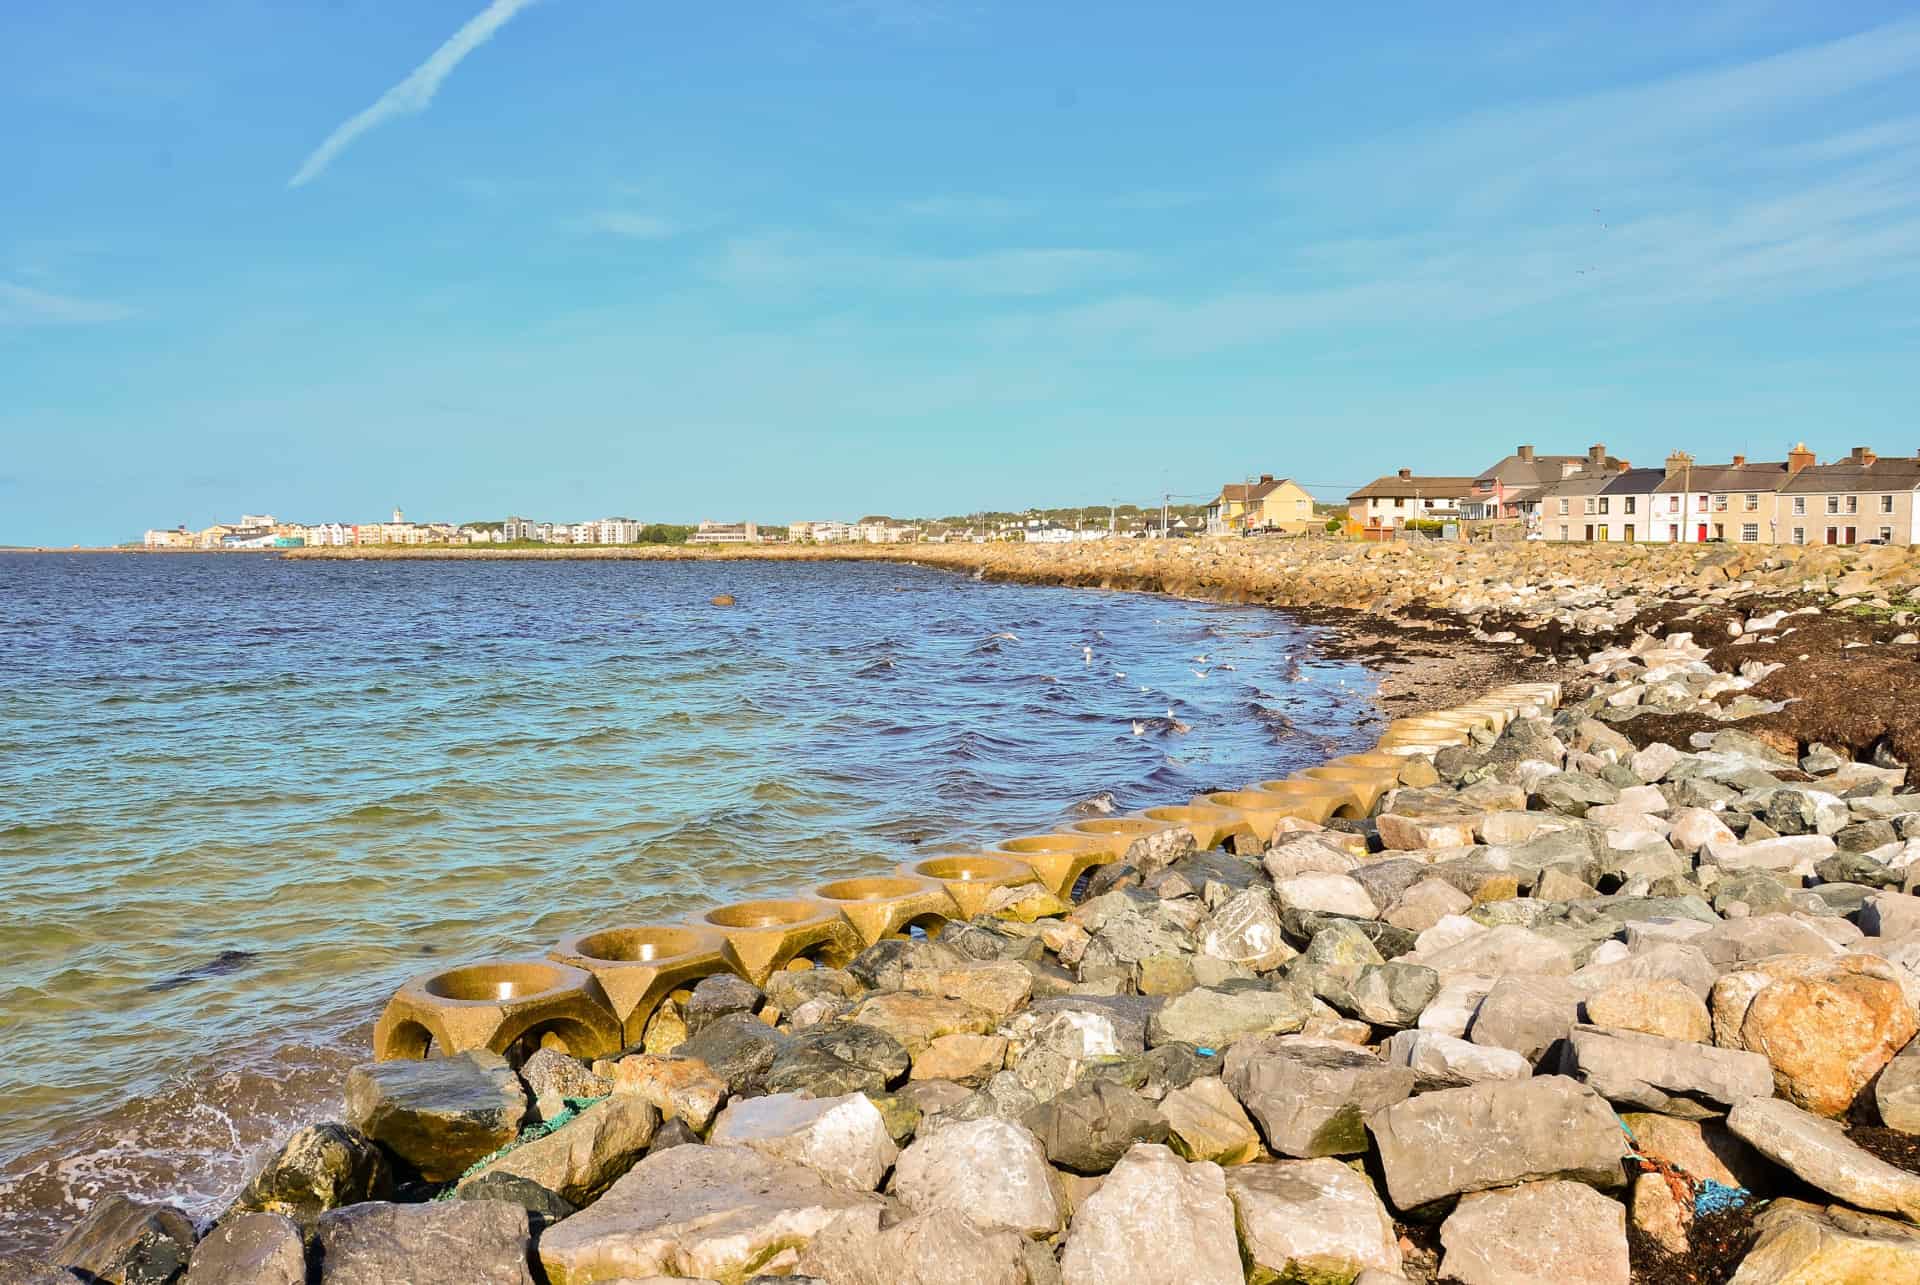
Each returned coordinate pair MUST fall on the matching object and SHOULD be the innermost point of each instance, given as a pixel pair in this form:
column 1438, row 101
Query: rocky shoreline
column 1619, row 991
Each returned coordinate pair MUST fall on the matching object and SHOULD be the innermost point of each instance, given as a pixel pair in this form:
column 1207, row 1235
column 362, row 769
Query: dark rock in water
column 717, row 996
column 1090, row 1126
column 320, row 1167
column 544, row 1208
column 251, row 1249
column 1100, row 805
column 227, row 961
column 438, row 1115
column 674, row 1133
column 127, row 1242
column 835, row 1058
column 739, row 1048
column 451, row 1242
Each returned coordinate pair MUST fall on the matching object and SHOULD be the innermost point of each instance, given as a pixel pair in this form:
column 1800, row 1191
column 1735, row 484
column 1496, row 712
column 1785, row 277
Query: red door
column 1701, row 537
column 1852, row 536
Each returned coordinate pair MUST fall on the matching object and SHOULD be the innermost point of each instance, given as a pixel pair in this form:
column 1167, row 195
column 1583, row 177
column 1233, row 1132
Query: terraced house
column 1860, row 499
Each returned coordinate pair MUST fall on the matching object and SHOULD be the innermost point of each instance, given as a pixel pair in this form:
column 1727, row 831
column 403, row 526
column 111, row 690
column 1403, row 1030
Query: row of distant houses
column 1863, row 498
column 263, row 531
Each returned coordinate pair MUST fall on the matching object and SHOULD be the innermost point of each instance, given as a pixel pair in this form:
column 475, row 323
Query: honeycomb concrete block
column 970, row 879
column 1210, row 824
column 1058, row 859
column 762, row 936
column 877, row 906
column 639, row 965
column 499, row 1005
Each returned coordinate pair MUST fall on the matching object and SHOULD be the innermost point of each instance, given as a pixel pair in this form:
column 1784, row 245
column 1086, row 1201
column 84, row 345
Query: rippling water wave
column 242, row 799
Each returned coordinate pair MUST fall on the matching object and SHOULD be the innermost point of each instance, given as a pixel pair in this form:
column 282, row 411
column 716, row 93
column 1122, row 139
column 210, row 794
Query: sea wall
column 1622, row 988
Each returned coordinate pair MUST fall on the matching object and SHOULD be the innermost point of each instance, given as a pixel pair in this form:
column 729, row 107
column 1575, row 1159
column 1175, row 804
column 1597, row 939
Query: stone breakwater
column 1525, row 994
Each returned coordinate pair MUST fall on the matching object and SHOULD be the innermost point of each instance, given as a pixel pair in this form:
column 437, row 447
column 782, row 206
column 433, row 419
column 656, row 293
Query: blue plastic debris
column 1716, row 1197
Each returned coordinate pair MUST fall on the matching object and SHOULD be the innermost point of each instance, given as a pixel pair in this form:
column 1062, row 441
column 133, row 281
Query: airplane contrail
column 416, row 91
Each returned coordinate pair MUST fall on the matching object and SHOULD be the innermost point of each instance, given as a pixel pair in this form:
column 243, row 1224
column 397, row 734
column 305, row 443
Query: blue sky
column 821, row 258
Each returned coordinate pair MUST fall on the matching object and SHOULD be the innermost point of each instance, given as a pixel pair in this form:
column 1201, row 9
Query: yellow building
column 1281, row 506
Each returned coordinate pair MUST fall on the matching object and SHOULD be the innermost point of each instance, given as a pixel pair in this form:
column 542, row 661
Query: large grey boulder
column 1542, row 1233
column 1530, row 1015
column 718, row 1212
column 1443, row 1062
column 250, row 1249
column 1495, row 1135
column 1818, row 1151
column 552, row 1077
column 1090, row 1126
column 1507, row 949
column 1896, row 1093
column 1049, row 1051
column 737, row 1047
column 1673, row 1077
column 1311, row 1220
column 1246, row 931
column 452, row 1242
column 1801, row 1243
column 123, row 1240
column 1156, row 1220
column 1313, row 1097
column 992, row 1171
column 1218, row 1018
column 1206, row 1122
column 943, row 1247
column 584, row 1156
column 837, row 1057
column 843, row 1139
column 440, row 1114
column 320, row 1167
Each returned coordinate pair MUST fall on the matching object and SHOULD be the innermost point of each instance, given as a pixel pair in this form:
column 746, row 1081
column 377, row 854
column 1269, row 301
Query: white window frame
column 1799, row 535
column 1749, row 532
column 1799, row 506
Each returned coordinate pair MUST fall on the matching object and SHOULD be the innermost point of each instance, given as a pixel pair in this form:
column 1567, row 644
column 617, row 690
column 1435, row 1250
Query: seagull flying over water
column 1086, row 654
column 1199, row 673
column 1200, row 659
column 1139, row 728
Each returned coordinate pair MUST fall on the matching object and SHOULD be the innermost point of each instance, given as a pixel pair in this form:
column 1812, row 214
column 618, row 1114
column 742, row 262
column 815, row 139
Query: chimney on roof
column 1678, row 462
column 1525, row 453
column 1861, row 455
column 1266, row 477
column 1625, row 465
column 1798, row 458
column 1596, row 455
column 1406, row 472
column 1739, row 461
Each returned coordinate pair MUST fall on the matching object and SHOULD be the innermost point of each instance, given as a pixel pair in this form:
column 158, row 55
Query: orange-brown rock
column 1827, row 1034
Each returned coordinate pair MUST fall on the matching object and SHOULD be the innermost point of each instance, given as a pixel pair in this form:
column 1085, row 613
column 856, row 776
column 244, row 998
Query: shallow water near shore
column 241, row 799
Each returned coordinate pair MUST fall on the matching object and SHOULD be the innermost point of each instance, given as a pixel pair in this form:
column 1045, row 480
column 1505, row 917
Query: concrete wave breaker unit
column 498, row 1005
column 596, row 991
column 970, row 879
column 762, row 936
column 877, row 906
column 639, row 965
column 1058, row 860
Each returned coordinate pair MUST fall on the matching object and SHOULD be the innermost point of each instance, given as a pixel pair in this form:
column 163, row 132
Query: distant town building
column 1389, row 503
column 1279, row 505
column 821, row 532
column 725, row 533
column 178, row 538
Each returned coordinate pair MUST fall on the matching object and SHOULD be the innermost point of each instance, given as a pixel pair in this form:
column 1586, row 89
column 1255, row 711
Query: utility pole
column 1166, row 500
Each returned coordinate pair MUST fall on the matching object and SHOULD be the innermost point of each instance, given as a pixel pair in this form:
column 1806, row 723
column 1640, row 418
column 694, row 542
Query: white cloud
column 25, row 306
column 414, row 93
